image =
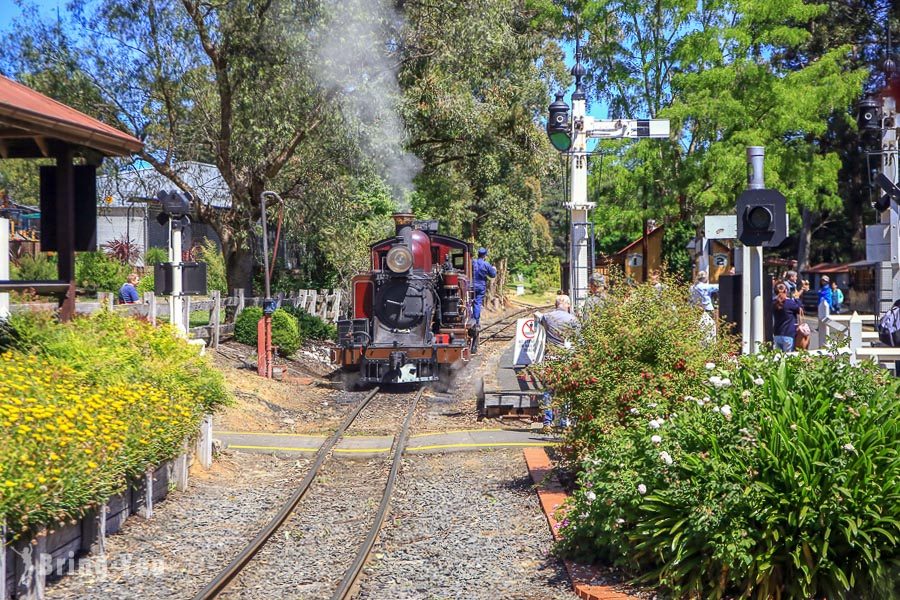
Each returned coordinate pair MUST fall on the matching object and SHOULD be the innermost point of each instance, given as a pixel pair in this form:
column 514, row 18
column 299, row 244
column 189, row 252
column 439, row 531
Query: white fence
column 860, row 344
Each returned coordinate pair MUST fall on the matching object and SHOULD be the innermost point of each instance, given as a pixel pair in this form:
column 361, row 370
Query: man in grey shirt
column 560, row 323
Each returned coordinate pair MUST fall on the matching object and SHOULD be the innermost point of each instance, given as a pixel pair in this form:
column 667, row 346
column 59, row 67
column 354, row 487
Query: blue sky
column 9, row 9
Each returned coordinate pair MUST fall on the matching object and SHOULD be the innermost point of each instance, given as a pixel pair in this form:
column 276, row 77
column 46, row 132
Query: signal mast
column 569, row 136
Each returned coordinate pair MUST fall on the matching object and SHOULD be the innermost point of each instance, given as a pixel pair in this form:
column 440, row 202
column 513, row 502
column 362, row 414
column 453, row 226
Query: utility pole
column 570, row 136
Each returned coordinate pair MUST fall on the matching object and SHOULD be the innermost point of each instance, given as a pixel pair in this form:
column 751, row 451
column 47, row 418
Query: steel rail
column 509, row 321
column 240, row 561
column 352, row 574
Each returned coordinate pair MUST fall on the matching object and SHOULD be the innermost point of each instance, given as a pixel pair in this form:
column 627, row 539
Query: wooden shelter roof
column 34, row 126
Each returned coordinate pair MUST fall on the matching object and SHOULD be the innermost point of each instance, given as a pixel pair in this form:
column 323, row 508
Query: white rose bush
column 773, row 478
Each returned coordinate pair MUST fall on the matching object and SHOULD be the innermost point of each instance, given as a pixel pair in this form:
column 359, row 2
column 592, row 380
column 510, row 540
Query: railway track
column 351, row 574
column 499, row 330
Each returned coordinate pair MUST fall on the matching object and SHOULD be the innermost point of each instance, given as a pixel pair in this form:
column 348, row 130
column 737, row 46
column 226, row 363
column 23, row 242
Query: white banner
column 530, row 340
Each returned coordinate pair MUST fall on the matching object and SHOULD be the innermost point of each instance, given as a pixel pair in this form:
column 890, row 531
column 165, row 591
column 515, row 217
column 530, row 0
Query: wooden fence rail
column 325, row 304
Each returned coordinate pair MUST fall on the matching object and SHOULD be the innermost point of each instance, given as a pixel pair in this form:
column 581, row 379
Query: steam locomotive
column 410, row 318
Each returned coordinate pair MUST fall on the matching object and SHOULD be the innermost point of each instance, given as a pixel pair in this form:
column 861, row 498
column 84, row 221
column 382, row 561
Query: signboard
column 530, row 340
column 720, row 227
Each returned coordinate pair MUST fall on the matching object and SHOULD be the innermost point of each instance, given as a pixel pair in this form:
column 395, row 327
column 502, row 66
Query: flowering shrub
column 84, row 405
column 781, row 478
column 643, row 347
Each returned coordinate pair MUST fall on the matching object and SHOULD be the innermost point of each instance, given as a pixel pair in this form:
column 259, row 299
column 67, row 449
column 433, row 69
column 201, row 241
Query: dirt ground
column 311, row 398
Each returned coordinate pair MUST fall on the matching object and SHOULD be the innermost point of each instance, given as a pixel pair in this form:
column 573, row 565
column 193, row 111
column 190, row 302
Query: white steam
column 355, row 55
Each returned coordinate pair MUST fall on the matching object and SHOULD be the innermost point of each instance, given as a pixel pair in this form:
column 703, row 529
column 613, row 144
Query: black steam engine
column 409, row 313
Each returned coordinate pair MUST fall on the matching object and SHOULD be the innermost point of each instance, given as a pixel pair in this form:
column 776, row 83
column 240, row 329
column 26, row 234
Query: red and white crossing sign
column 526, row 327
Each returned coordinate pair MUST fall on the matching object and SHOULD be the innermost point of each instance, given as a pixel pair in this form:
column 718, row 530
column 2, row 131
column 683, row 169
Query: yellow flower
column 10, row 483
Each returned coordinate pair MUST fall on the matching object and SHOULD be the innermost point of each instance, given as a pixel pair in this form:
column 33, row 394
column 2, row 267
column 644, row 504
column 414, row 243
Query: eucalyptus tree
column 475, row 76
column 217, row 81
column 714, row 69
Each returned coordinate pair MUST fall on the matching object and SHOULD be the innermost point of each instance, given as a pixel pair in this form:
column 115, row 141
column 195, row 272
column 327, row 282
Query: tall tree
column 219, row 82
column 476, row 76
column 715, row 70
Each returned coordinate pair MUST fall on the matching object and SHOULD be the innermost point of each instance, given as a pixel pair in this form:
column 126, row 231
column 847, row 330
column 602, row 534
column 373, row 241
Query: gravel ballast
column 465, row 526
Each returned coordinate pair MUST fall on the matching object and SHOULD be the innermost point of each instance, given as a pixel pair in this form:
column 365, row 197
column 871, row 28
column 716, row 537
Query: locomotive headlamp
column 399, row 259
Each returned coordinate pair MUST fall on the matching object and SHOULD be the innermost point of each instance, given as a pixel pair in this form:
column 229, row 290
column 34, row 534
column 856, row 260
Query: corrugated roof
column 26, row 114
column 204, row 179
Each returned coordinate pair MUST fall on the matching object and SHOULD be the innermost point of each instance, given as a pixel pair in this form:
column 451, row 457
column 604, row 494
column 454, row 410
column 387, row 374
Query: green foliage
column 34, row 268
column 209, row 253
column 154, row 256
column 643, row 345
column 540, row 275
column 675, row 255
column 311, row 326
column 779, row 478
column 245, row 325
column 97, row 272
column 146, row 282
column 719, row 73
column 285, row 331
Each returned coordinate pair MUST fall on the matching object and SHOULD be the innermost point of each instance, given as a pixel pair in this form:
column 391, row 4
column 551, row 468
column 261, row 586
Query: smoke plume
column 355, row 55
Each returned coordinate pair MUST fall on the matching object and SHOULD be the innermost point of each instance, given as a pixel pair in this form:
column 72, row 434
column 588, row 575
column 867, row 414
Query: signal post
column 570, row 136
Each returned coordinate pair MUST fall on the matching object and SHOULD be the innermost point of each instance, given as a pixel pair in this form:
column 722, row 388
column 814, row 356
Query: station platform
column 507, row 390
column 368, row 446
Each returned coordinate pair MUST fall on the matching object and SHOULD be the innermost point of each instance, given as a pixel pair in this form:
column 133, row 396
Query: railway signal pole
column 878, row 121
column 569, row 136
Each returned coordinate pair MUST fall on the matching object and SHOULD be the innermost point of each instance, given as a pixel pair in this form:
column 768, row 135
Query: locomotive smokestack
column 402, row 220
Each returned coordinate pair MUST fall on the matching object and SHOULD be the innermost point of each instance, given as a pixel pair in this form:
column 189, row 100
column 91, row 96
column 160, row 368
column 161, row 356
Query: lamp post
column 569, row 135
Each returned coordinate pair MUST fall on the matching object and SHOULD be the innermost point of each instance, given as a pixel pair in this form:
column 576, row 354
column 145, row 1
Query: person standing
column 826, row 299
column 560, row 325
column 128, row 293
column 785, row 314
column 481, row 271
column 701, row 295
column 597, row 298
column 790, row 280
column 837, row 298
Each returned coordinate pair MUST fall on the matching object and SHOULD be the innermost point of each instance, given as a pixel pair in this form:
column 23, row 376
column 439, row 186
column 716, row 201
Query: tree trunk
column 807, row 219
column 496, row 297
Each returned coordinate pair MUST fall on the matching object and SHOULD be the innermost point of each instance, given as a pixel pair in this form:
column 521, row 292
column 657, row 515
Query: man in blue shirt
column 481, row 270
column 128, row 293
column 826, row 298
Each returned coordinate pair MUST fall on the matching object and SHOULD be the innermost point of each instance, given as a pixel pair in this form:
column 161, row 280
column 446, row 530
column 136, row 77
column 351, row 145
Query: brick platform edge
column 551, row 495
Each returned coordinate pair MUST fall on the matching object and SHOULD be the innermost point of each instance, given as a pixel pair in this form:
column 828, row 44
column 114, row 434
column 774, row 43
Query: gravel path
column 190, row 537
column 465, row 526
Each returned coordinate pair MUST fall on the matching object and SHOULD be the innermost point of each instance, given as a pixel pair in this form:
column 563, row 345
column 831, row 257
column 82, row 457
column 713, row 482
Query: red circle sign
column 528, row 328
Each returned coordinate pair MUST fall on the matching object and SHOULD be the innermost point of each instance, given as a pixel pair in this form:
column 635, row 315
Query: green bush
column 97, row 272
column 644, row 346
column 209, row 253
column 311, row 326
column 779, row 478
column 245, row 325
column 146, row 282
column 34, row 268
column 285, row 331
column 155, row 256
